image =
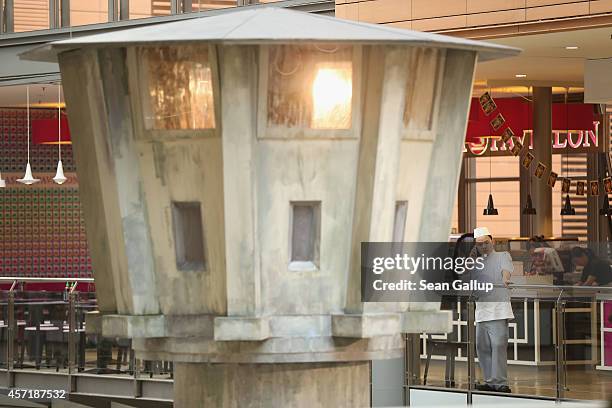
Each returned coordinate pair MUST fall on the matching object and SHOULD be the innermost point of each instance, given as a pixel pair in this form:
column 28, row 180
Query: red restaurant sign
column 575, row 127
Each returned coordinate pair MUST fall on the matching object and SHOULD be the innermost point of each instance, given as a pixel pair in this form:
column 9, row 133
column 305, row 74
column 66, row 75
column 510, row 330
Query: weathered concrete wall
column 305, row 170
column 272, row 385
column 186, row 170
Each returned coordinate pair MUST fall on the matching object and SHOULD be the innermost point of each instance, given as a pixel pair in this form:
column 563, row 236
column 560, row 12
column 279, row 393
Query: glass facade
column 84, row 12
column 33, row 15
column 30, row 15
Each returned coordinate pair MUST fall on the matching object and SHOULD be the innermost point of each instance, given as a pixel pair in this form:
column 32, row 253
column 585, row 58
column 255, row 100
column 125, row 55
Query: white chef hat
column 481, row 232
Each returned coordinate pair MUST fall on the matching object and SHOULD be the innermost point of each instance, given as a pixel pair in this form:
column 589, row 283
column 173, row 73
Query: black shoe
column 483, row 387
column 504, row 388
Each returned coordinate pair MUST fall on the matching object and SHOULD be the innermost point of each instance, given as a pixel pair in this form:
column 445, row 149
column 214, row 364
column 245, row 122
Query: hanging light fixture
column 28, row 178
column 529, row 208
column 605, row 209
column 490, row 210
column 59, row 174
column 567, row 207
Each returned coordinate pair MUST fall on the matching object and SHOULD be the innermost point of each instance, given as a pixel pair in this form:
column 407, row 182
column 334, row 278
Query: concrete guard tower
column 230, row 167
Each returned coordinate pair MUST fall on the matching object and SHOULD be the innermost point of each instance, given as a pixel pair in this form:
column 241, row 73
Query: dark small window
column 305, row 231
column 188, row 236
column 399, row 224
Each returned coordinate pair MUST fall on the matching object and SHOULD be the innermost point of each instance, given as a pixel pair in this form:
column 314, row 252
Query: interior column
column 541, row 193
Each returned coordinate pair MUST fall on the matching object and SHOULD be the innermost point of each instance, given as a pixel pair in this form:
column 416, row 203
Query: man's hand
column 506, row 278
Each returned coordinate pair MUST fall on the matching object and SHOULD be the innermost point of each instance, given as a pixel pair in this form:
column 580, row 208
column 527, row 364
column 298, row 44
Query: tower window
column 305, row 232
column 188, row 236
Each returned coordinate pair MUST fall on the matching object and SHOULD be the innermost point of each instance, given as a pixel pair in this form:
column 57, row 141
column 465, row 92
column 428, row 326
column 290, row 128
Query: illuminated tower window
column 310, row 86
column 180, row 88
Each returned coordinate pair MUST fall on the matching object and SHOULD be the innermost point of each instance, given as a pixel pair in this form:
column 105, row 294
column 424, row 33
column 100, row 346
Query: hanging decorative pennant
column 487, row 104
column 507, row 134
column 498, row 122
column 539, row 171
column 527, row 159
column 608, row 184
column 552, row 179
column 594, row 187
column 516, row 149
column 580, row 188
column 489, row 107
column 565, row 185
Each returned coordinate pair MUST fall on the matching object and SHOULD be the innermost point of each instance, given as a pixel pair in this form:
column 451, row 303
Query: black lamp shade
column 529, row 208
column 605, row 209
column 567, row 207
column 490, row 210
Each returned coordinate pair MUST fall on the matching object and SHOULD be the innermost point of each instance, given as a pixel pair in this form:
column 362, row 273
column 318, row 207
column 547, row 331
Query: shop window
column 305, row 233
column 399, row 223
column 188, row 236
column 310, row 86
column 500, row 176
column 179, row 88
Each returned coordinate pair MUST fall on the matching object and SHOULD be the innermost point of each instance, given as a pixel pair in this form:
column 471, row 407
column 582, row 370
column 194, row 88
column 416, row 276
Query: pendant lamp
column 28, row 178
column 59, row 174
column 567, row 207
column 605, row 209
column 490, row 210
column 529, row 208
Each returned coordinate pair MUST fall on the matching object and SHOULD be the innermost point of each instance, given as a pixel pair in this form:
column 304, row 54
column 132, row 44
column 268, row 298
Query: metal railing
column 68, row 346
column 558, row 295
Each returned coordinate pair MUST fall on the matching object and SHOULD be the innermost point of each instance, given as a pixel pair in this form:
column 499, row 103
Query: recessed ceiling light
column 521, row 75
column 571, row 47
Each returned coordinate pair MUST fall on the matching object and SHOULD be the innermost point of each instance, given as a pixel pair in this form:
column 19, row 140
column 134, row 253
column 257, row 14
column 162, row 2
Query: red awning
column 44, row 131
column 519, row 116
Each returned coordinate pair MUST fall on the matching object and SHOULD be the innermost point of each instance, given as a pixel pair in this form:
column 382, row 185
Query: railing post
column 10, row 341
column 72, row 338
column 560, row 347
column 137, row 382
column 471, row 339
column 412, row 364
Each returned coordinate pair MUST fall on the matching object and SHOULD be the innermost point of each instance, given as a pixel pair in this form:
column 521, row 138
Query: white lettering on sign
column 561, row 141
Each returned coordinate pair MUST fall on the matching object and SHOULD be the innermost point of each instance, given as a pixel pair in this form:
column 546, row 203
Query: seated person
column 544, row 259
column 595, row 272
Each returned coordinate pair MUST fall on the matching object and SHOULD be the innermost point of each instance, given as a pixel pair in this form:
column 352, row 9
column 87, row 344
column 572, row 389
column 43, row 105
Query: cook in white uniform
column 493, row 310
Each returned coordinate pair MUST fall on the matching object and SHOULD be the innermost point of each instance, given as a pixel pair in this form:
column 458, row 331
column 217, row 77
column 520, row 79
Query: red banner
column 44, row 131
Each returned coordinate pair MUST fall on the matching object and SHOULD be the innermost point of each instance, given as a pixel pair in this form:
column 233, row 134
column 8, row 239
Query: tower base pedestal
column 305, row 385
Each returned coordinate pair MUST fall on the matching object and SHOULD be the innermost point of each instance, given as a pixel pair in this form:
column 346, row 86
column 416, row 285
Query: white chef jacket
column 500, row 308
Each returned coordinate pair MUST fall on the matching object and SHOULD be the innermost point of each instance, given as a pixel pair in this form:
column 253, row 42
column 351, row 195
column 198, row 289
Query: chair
column 450, row 348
